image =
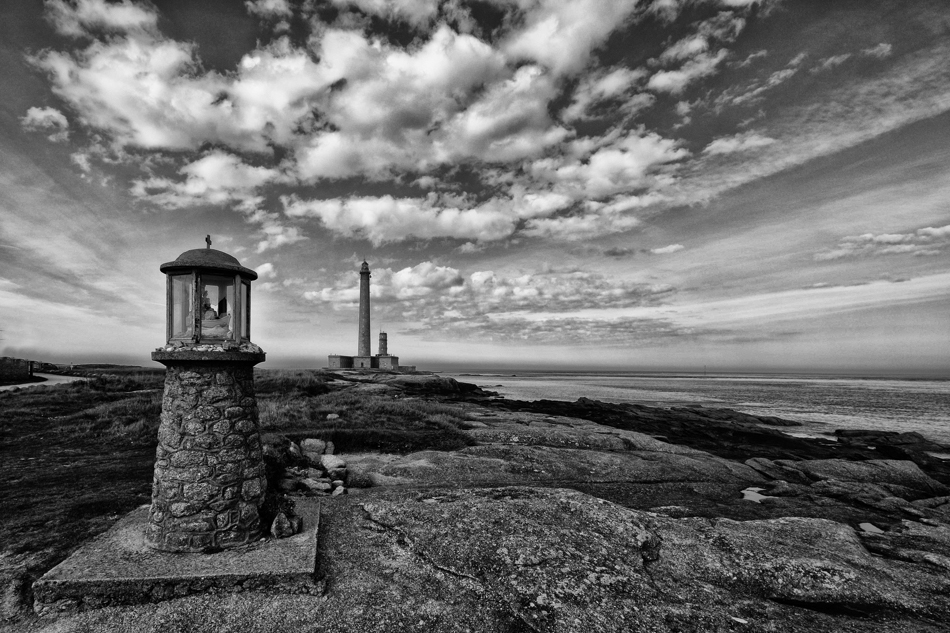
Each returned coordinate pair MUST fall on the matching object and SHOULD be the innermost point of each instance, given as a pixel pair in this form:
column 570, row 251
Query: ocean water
column 821, row 404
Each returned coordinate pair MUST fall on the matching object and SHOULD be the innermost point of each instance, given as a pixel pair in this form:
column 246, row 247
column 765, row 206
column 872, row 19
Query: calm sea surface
column 821, row 404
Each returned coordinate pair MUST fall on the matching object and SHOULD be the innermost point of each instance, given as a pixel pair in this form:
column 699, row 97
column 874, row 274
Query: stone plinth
column 209, row 473
column 118, row 567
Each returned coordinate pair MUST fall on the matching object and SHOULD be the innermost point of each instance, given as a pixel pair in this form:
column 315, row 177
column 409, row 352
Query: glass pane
column 246, row 302
column 217, row 305
column 182, row 310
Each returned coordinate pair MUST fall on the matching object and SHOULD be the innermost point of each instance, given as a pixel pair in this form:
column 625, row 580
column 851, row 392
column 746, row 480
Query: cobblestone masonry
column 209, row 472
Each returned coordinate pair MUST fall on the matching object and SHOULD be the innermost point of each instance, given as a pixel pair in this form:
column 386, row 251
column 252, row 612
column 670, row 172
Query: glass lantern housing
column 209, row 298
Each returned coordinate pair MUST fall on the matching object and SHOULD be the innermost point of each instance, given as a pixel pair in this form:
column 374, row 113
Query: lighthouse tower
column 364, row 345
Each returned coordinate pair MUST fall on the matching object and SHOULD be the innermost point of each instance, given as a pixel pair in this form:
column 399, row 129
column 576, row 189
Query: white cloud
column 625, row 164
column 274, row 231
column 415, row 12
column 78, row 18
column 604, row 86
column 666, row 250
column 266, row 271
column 737, row 143
column 442, row 298
column 269, row 9
column 216, row 178
column 46, row 120
column 388, row 219
column 675, row 81
column 880, row 51
column 830, row 63
column 510, row 122
column 922, row 242
column 562, row 34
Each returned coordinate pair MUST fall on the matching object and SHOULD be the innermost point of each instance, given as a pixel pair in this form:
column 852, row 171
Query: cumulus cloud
column 675, row 81
column 666, row 250
column 388, row 219
column 694, row 51
column 737, row 143
column 442, row 299
column 561, row 34
column 408, row 284
column 216, row 178
column 81, row 17
column 46, row 120
column 266, row 271
column 922, row 242
column 270, row 9
column 415, row 12
column 622, row 165
column 274, row 231
column 607, row 86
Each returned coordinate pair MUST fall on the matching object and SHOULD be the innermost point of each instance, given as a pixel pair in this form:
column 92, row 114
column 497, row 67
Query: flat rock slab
column 118, row 568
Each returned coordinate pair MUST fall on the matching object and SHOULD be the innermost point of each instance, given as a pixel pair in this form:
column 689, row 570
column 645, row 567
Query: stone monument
column 209, row 473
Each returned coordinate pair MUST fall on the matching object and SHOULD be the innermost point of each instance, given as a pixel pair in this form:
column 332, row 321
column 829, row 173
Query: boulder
column 875, row 471
column 313, row 446
column 314, row 485
column 332, row 462
column 281, row 527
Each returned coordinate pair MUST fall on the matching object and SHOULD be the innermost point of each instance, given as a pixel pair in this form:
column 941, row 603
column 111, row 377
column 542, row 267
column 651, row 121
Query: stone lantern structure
column 209, row 473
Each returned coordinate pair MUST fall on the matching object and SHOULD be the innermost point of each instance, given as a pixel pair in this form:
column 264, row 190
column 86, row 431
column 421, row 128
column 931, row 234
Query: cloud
column 666, row 250
column 274, row 231
column 623, row 164
column 880, row 51
column 81, row 17
column 675, row 81
column 561, row 34
column 415, row 12
column 830, row 63
column 388, row 219
column 408, row 284
column 922, row 242
column 46, row 120
column 737, row 143
column 266, row 271
column 444, row 302
column 269, row 9
column 606, row 85
column 217, row 178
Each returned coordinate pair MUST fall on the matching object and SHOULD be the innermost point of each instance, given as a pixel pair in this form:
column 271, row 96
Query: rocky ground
column 593, row 517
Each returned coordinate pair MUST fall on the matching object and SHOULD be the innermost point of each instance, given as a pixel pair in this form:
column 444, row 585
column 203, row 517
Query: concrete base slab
column 118, row 568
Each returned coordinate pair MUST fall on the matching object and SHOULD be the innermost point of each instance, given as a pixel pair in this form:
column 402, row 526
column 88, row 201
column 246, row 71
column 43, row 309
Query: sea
column 820, row 403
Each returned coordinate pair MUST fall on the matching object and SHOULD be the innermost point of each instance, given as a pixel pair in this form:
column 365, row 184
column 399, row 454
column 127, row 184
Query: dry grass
column 366, row 421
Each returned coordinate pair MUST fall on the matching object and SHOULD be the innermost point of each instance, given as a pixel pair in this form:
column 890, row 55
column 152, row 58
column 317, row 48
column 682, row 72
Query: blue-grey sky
column 665, row 185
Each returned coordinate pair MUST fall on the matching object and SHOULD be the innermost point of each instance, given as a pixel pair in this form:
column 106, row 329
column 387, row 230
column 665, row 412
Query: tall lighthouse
column 364, row 345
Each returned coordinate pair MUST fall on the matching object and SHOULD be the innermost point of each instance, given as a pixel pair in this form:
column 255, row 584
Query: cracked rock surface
column 551, row 523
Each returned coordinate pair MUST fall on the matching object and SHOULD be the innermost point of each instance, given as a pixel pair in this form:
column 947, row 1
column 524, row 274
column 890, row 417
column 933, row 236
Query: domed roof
column 208, row 258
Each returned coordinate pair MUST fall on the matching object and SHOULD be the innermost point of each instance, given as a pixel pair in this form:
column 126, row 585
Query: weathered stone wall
column 209, row 473
column 12, row 369
column 365, row 362
column 339, row 362
column 389, row 362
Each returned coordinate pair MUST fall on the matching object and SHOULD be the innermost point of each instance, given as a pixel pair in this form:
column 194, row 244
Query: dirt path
column 51, row 379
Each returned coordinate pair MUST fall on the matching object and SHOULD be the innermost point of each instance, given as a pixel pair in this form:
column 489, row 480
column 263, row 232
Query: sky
column 665, row 185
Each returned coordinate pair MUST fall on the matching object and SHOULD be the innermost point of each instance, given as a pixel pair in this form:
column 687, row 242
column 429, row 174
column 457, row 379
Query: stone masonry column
column 364, row 343
column 209, row 473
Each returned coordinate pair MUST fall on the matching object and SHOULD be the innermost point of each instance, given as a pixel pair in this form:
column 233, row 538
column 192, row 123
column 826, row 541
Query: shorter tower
column 383, row 345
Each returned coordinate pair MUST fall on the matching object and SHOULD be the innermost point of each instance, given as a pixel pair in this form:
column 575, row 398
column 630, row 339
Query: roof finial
column 208, row 240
